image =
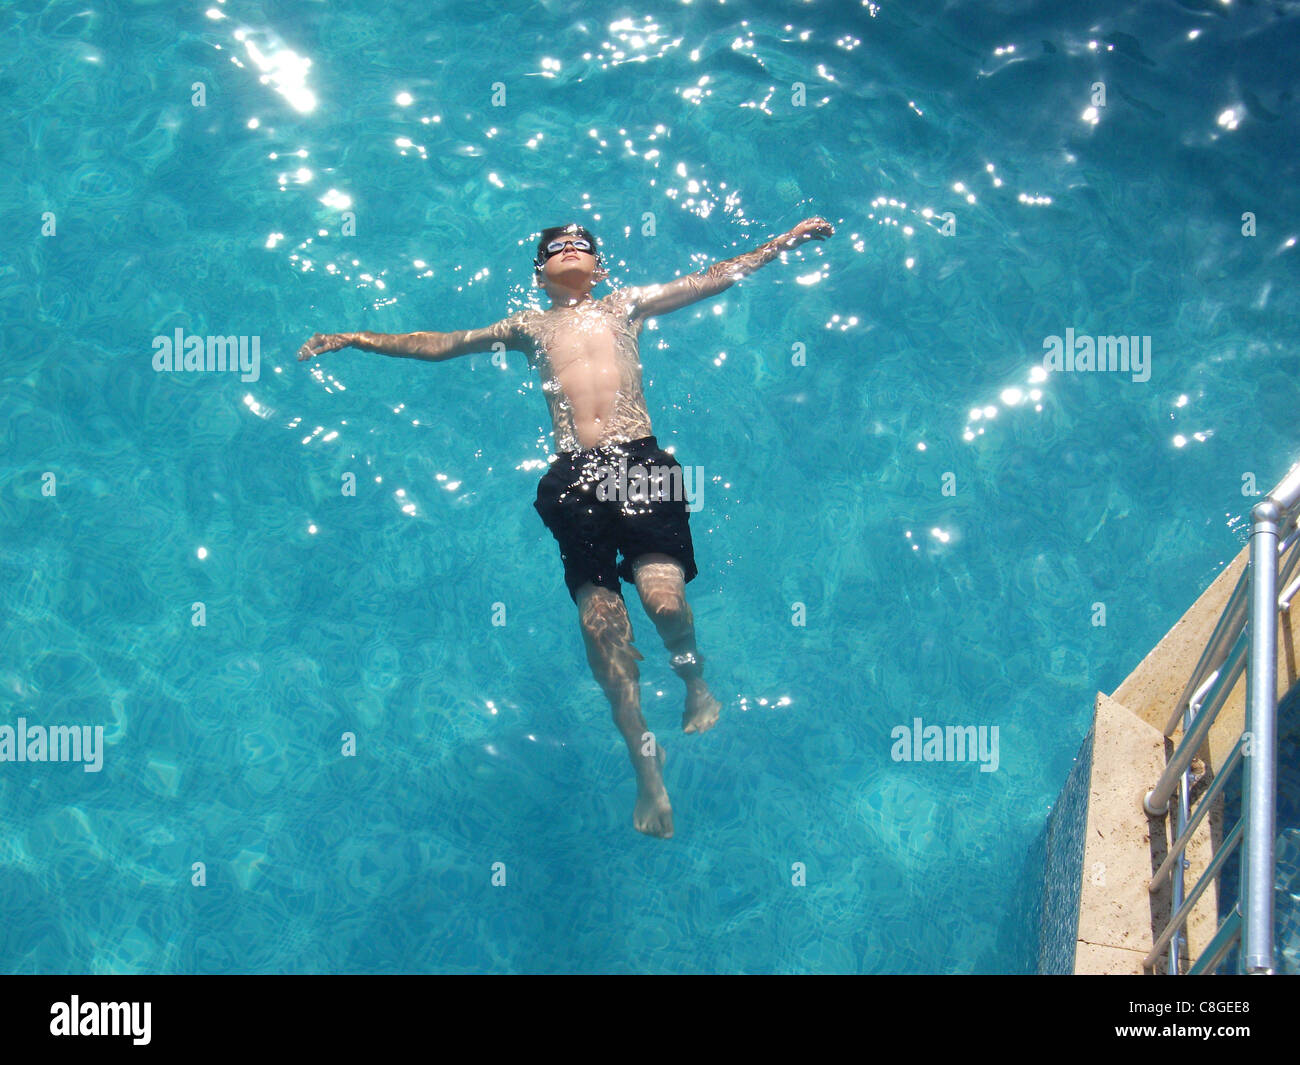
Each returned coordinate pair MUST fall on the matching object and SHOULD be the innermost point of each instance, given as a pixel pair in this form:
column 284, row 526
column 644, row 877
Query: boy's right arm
column 430, row 347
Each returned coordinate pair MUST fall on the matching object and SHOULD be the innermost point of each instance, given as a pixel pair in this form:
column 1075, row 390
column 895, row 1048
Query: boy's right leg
column 607, row 633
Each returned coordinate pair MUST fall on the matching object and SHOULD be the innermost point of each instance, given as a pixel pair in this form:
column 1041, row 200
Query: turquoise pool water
column 372, row 614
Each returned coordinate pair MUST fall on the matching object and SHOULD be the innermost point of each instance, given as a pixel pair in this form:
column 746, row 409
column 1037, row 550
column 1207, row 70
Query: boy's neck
column 570, row 299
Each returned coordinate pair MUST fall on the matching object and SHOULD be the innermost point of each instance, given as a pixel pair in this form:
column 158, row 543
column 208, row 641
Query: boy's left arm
column 651, row 300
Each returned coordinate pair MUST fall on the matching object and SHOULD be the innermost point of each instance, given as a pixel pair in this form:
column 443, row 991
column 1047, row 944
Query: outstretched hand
column 323, row 342
column 815, row 228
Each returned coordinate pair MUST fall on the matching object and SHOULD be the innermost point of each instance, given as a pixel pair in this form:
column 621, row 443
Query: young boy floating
column 585, row 351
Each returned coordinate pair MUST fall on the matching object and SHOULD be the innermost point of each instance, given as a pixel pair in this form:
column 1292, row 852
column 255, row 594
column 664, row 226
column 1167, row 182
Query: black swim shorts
column 619, row 497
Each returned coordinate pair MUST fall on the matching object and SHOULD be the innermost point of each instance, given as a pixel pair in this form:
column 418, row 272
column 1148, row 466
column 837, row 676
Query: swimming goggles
column 579, row 244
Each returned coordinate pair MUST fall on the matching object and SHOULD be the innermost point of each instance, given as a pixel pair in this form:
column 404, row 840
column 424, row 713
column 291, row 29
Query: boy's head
column 560, row 259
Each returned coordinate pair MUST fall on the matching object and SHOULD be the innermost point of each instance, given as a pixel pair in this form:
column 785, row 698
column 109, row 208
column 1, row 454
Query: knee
column 594, row 626
column 601, row 613
column 666, row 608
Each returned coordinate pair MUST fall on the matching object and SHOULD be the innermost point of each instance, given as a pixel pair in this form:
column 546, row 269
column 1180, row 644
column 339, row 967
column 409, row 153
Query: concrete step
column 1118, row 917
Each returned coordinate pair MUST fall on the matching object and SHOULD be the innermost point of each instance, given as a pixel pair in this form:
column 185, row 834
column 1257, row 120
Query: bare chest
column 586, row 350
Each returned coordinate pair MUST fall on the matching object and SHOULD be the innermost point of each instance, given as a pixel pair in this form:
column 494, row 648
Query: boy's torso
column 590, row 365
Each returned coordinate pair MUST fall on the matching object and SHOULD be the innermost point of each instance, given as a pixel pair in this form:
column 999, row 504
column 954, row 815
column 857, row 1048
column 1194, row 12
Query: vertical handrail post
column 1261, row 726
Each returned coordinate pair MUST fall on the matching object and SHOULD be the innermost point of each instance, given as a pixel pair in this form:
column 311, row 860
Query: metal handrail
column 1261, row 725
column 1179, row 938
column 1156, row 802
column 1287, row 569
column 1245, row 636
column 1217, row 649
column 1211, row 871
column 1218, row 947
column 1202, row 808
column 1231, row 622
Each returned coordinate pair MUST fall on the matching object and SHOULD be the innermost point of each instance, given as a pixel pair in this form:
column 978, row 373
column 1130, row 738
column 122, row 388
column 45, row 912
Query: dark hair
column 573, row 229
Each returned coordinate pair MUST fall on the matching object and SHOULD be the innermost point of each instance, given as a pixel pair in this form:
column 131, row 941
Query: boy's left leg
column 661, row 583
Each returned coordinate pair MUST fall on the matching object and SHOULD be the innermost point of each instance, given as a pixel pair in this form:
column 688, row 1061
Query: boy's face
column 571, row 267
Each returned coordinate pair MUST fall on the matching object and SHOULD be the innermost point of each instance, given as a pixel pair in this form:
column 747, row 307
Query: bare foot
column 654, row 813
column 702, row 709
